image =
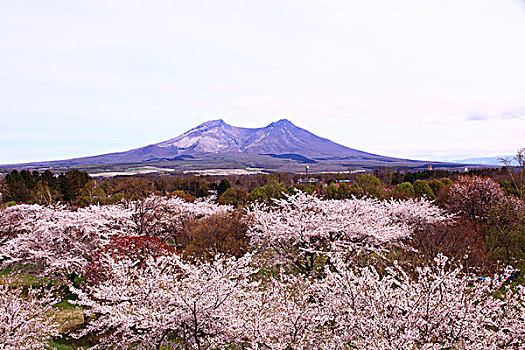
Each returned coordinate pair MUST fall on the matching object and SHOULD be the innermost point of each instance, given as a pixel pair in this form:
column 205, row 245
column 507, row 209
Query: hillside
column 279, row 146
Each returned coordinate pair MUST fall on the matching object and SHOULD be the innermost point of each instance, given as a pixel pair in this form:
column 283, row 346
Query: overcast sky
column 426, row 79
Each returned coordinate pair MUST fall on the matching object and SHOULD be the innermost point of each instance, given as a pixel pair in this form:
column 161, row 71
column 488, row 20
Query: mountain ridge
column 280, row 145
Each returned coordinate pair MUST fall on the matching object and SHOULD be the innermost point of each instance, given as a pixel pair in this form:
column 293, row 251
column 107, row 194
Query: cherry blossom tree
column 144, row 296
column 25, row 316
column 167, row 302
column 164, row 217
column 136, row 248
column 171, row 302
column 301, row 227
column 215, row 305
column 441, row 308
column 61, row 240
column 280, row 312
column 474, row 197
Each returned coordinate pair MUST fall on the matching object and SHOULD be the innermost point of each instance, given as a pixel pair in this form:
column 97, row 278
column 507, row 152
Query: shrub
column 181, row 194
column 403, row 190
column 233, row 196
column 446, row 181
column 460, row 240
column 223, row 186
column 421, row 188
column 370, row 185
column 223, row 234
column 505, row 237
column 267, row 193
column 436, row 186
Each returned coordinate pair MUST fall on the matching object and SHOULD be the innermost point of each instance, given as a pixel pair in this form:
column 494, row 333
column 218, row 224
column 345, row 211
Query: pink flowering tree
column 173, row 303
column 58, row 240
column 280, row 312
column 301, row 229
column 26, row 320
column 442, row 308
column 165, row 302
column 474, row 197
column 165, row 217
column 61, row 241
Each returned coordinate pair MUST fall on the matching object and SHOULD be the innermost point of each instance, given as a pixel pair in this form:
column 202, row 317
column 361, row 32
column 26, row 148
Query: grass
column 69, row 317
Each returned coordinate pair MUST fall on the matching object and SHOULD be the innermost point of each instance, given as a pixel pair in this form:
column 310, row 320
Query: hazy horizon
column 413, row 79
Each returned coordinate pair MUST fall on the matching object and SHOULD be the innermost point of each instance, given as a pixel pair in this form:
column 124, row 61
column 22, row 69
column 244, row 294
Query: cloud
column 496, row 113
column 514, row 114
column 355, row 71
column 476, row 117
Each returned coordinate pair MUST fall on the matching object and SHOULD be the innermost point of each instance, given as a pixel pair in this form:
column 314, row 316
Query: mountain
column 281, row 137
column 279, row 146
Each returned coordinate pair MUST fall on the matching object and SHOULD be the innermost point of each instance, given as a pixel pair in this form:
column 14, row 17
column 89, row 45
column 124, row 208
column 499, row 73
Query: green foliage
column 506, row 243
column 355, row 190
column 19, row 185
column 332, row 192
column 290, row 190
column 436, row 186
column 71, row 184
column 425, row 175
column 509, row 188
column 267, row 193
column 223, row 186
column 505, row 232
column 446, row 181
column 46, row 194
column 339, row 191
column 370, row 185
column 45, row 188
column 403, row 190
column 91, row 193
column 258, row 195
column 422, row 189
column 343, row 191
column 233, row 196
column 197, row 186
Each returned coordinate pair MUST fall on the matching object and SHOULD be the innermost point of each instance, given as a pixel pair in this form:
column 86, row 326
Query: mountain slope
column 280, row 146
column 281, row 137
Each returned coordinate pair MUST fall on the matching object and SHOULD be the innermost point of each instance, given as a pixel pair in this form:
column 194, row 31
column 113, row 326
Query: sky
column 422, row 79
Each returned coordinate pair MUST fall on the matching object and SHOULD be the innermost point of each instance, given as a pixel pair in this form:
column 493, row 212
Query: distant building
column 307, row 181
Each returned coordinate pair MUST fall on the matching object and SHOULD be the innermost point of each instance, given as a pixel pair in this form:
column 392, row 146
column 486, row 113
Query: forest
column 381, row 260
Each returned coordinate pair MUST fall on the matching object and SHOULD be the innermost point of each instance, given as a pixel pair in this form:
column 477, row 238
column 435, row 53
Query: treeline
column 76, row 187
column 46, row 187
